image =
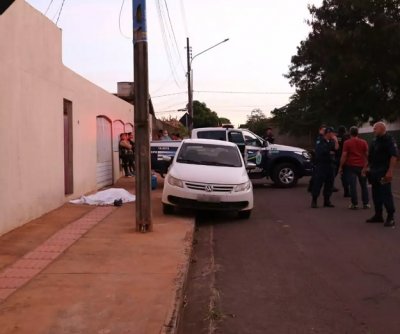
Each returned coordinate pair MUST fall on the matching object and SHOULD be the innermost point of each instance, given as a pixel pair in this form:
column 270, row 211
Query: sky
column 263, row 36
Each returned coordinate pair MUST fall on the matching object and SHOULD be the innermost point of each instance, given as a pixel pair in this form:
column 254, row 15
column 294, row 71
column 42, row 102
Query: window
column 68, row 149
column 252, row 139
column 216, row 134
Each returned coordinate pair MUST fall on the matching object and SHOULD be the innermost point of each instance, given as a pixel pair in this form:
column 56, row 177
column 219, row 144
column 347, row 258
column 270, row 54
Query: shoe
column 314, row 204
column 328, row 205
column 389, row 222
column 353, row 206
column 366, row 206
column 375, row 219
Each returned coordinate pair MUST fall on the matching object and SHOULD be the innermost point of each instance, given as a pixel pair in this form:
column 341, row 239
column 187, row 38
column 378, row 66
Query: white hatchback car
column 208, row 175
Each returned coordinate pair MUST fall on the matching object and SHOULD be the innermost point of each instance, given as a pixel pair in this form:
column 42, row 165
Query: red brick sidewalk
column 80, row 269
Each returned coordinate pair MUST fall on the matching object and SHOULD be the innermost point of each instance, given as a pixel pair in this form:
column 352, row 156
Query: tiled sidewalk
column 23, row 270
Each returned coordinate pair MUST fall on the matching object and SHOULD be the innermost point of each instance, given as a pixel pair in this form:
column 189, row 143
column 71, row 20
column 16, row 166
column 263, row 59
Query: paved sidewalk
column 82, row 269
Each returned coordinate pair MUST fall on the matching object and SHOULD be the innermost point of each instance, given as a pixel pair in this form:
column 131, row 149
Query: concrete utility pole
column 141, row 119
column 190, row 77
column 190, row 86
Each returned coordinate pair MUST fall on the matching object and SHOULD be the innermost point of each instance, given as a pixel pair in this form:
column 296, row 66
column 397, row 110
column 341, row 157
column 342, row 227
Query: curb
column 174, row 313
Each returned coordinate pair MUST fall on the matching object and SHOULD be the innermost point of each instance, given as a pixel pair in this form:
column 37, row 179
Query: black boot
column 328, row 203
column 389, row 221
column 376, row 218
column 314, row 204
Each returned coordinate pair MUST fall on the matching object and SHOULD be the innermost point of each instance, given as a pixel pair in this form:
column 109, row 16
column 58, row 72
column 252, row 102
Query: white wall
column 33, row 84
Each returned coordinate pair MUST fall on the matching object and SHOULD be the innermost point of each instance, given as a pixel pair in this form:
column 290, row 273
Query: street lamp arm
column 212, row 47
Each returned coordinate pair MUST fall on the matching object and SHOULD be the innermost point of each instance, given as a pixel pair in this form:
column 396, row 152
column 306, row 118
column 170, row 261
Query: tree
column 203, row 116
column 223, row 120
column 347, row 70
column 257, row 122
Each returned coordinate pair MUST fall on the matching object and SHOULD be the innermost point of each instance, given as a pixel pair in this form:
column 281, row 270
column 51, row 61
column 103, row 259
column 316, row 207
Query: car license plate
column 209, row 198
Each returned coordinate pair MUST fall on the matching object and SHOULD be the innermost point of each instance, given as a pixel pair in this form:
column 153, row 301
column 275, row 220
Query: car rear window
column 211, row 155
column 216, row 135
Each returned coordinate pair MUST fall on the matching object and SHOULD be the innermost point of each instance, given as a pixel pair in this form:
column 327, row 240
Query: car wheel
column 285, row 175
column 244, row 214
column 168, row 209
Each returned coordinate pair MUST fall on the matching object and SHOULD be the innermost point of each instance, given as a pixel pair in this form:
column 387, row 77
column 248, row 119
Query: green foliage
column 204, row 116
column 257, row 122
column 223, row 120
column 347, row 70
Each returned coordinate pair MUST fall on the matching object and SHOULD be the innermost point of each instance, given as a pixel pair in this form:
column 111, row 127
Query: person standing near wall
column 382, row 160
column 353, row 161
column 124, row 148
column 131, row 153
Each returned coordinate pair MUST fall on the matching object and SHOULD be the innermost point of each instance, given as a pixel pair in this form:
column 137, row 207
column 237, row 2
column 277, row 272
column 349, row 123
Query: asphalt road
column 293, row 269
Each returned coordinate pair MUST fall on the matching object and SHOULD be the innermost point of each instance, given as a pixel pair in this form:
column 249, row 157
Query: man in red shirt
column 355, row 159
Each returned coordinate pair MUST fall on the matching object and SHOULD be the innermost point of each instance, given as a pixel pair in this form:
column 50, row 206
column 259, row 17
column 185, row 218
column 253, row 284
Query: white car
column 208, row 174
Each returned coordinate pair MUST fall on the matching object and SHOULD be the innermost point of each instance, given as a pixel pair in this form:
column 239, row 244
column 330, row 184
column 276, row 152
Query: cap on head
column 329, row 130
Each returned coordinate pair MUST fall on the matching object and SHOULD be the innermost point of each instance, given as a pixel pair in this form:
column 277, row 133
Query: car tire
column 168, row 209
column 244, row 214
column 285, row 175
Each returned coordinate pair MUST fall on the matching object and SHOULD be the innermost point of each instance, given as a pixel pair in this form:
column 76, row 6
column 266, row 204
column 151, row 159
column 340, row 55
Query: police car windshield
column 210, row 155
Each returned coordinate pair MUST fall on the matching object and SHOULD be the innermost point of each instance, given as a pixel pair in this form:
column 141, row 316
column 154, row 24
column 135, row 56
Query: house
column 58, row 131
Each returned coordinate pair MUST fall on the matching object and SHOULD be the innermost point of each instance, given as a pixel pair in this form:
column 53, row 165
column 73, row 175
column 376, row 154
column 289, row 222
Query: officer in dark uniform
column 324, row 174
column 320, row 136
column 382, row 160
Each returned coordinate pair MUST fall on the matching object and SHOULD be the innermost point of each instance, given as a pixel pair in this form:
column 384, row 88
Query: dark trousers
column 352, row 174
column 344, row 180
column 382, row 197
column 125, row 165
column 324, row 175
column 131, row 163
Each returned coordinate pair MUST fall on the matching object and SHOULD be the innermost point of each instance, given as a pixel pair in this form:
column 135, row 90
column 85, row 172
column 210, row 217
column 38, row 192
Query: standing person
column 124, row 148
column 320, row 136
column 342, row 137
column 269, row 136
column 382, row 159
column 131, row 153
column 165, row 136
column 353, row 162
column 324, row 174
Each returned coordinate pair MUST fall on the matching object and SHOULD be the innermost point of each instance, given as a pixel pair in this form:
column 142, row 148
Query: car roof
column 209, row 142
column 211, row 129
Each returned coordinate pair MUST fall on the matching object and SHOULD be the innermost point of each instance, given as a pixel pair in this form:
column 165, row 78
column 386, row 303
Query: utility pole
column 190, row 85
column 141, row 118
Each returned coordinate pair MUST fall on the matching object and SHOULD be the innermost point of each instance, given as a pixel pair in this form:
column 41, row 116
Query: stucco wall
column 33, row 84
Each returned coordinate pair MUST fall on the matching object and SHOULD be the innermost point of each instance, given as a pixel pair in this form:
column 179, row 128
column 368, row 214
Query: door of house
column 104, row 170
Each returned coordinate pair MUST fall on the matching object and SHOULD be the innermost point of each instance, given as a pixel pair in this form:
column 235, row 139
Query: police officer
column 320, row 136
column 381, row 162
column 324, row 174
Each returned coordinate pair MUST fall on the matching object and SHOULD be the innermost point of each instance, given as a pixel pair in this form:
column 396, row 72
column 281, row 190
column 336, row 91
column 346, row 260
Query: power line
column 48, row 7
column 165, row 40
column 170, row 94
column 244, row 92
column 173, row 33
column 119, row 21
column 61, row 9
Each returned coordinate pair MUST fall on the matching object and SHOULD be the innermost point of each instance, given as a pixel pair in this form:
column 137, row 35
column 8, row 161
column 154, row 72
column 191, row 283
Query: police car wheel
column 168, row 209
column 285, row 175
